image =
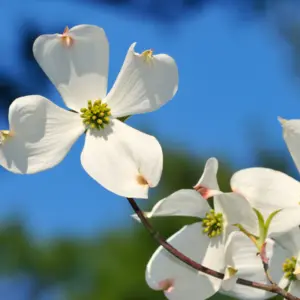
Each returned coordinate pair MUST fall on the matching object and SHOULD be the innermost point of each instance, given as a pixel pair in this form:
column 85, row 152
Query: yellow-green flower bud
column 289, row 267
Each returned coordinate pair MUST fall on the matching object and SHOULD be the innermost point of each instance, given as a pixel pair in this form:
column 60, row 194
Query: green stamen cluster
column 213, row 223
column 96, row 116
column 288, row 268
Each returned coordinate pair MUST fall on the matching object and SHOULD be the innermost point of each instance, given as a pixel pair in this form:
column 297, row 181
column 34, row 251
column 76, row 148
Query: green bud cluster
column 213, row 223
column 289, row 267
column 96, row 115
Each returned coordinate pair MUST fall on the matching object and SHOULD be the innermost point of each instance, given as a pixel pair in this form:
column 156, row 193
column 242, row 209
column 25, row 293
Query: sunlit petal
column 184, row 282
column 180, row 203
column 208, row 183
column 123, row 159
column 77, row 68
column 145, row 83
column 42, row 134
column 266, row 190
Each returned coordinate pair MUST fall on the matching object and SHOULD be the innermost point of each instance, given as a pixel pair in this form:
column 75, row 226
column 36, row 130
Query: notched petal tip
column 147, row 56
column 230, row 272
column 202, row 190
column 141, row 180
column 166, row 285
column 66, row 39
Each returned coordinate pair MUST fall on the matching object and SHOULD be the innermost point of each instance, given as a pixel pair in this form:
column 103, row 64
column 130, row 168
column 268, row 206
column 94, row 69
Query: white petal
column 290, row 241
column 181, row 203
column 143, row 86
column 208, row 182
column 229, row 280
column 285, row 220
column 283, row 282
column 266, row 190
column 294, row 288
column 241, row 254
column 236, row 210
column 188, row 283
column 79, row 71
column 291, row 135
column 43, row 134
column 284, row 249
column 215, row 256
column 122, row 159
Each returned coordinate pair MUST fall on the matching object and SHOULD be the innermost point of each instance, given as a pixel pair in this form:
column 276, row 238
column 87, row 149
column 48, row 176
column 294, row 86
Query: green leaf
column 270, row 218
column 262, row 230
column 264, row 226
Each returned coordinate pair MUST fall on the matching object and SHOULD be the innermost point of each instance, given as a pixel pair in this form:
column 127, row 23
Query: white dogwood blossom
column 203, row 241
column 207, row 241
column 122, row 159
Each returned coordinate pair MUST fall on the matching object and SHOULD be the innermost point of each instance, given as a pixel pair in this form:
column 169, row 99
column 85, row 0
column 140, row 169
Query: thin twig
column 265, row 262
column 267, row 273
column 155, row 234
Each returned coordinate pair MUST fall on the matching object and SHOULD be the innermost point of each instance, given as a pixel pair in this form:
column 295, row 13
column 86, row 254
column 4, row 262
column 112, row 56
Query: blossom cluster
column 251, row 232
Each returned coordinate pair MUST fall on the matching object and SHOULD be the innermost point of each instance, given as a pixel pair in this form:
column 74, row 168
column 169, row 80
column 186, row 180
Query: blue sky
column 235, row 77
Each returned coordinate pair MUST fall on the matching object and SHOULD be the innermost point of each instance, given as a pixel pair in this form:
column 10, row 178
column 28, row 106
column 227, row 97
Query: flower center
column 96, row 115
column 213, row 223
column 289, row 267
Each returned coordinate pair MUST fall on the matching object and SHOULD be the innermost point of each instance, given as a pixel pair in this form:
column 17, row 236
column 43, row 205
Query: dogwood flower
column 242, row 261
column 122, row 159
column 203, row 241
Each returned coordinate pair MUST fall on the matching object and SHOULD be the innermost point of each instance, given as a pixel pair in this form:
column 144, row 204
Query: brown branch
column 155, row 234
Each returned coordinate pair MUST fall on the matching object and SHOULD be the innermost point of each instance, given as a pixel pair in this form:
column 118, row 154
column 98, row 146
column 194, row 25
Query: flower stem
column 273, row 288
